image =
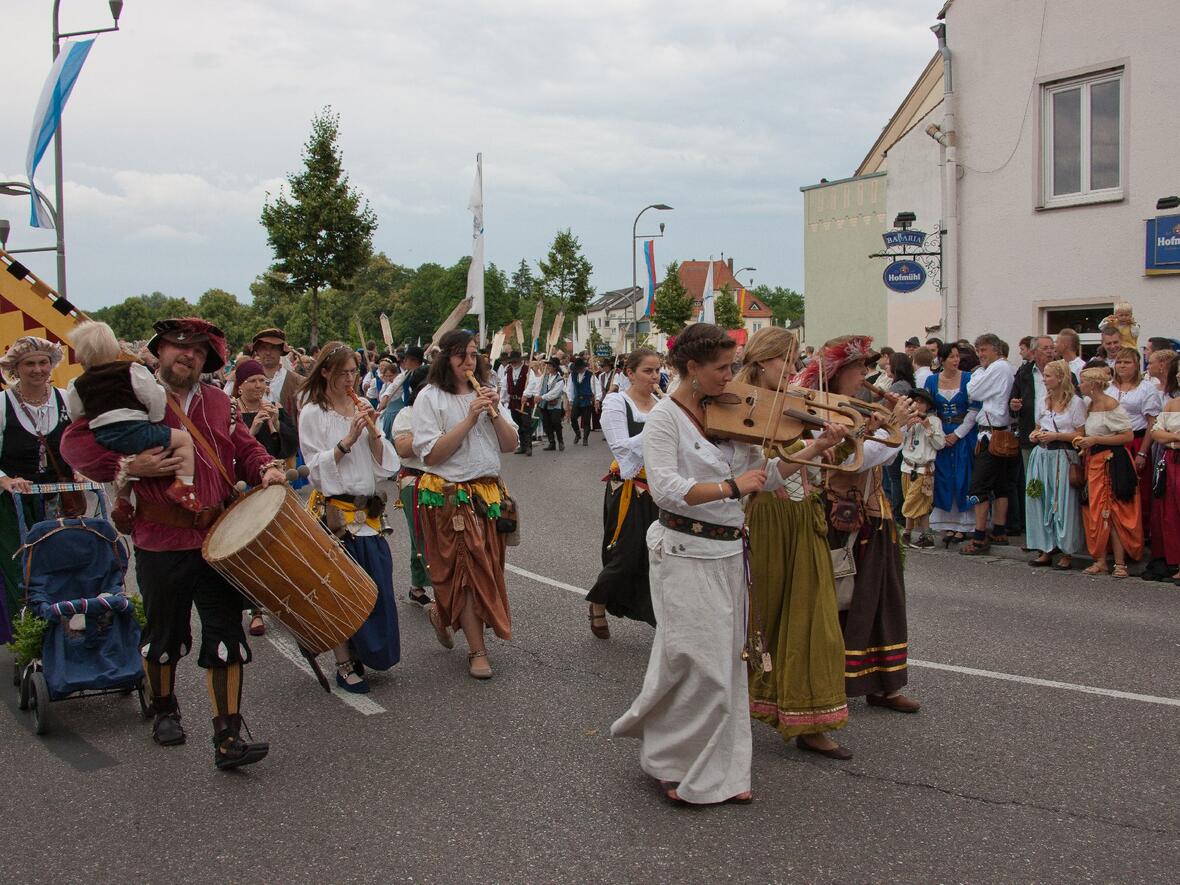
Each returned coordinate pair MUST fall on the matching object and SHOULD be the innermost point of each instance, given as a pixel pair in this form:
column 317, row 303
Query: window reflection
column 1067, row 142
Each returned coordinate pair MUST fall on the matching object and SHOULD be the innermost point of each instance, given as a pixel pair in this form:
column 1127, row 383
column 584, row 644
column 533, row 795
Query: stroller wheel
column 15, row 674
column 22, row 700
column 144, row 710
column 39, row 696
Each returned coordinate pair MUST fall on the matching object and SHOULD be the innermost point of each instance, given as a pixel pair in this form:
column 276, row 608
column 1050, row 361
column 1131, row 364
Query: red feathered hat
column 191, row 330
column 834, row 356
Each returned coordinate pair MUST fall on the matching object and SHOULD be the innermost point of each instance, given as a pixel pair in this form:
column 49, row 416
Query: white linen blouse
column 356, row 473
column 628, row 450
column 1139, row 402
column 677, row 456
column 1073, row 418
column 435, row 413
column 403, row 422
column 1108, row 423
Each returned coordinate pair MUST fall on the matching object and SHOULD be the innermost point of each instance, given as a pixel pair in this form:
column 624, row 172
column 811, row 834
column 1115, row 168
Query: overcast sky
column 585, row 112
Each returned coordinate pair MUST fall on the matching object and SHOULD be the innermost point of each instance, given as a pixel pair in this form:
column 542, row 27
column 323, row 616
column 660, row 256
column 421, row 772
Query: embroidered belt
column 1055, row 445
column 409, row 471
column 699, row 528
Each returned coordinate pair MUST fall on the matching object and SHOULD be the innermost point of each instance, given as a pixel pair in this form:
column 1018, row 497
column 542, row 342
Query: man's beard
column 175, row 381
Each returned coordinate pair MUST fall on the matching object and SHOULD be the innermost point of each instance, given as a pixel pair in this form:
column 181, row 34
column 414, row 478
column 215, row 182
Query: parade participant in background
column 31, row 424
column 410, row 377
column 792, row 592
column 1052, row 504
column 922, row 443
column 1069, row 347
column 876, row 645
column 622, row 587
column 407, row 479
column 901, row 370
column 517, row 395
column 953, row 514
column 1141, row 400
column 991, row 387
column 269, row 347
column 911, row 345
column 923, row 367
column 269, row 423
column 934, row 345
column 550, row 399
column 584, row 395
column 172, row 573
column 1166, row 513
column 460, row 441
column 693, row 711
column 1113, row 519
column 347, row 456
column 125, row 407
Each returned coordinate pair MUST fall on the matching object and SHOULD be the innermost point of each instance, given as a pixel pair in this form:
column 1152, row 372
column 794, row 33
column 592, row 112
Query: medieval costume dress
column 953, row 464
column 1140, row 403
column 1113, row 487
column 407, row 480
column 793, row 597
column 1167, row 505
column 22, row 428
column 1053, row 516
column 627, row 511
column 458, row 506
column 347, row 486
column 692, row 713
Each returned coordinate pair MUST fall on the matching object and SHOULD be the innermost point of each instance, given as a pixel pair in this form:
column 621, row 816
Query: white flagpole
column 475, row 272
column 707, row 313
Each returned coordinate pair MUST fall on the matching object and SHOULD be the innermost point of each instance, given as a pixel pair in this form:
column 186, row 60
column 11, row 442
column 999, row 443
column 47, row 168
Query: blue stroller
column 73, row 573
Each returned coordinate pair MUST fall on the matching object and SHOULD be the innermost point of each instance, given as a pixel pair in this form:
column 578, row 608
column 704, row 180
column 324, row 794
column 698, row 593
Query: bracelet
column 344, row 449
column 737, row 493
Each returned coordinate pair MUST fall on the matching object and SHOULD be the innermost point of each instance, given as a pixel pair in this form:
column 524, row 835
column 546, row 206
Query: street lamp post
column 634, row 273
column 21, row 189
column 116, row 7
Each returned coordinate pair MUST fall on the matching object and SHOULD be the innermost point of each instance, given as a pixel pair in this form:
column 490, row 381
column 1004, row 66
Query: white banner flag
column 707, row 314
column 475, row 272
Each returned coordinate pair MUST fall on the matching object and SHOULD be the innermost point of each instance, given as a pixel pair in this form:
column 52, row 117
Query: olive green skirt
column 794, row 600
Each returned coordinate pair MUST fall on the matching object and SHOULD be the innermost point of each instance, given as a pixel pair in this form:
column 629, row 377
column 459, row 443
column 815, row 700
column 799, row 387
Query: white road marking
column 287, row 647
column 931, row 665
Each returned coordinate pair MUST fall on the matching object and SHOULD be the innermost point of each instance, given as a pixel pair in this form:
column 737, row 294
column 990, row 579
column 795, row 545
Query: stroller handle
column 53, row 488
column 59, row 610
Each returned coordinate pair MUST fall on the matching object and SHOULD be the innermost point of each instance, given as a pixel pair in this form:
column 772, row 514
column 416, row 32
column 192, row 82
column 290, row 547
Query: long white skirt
column 693, row 713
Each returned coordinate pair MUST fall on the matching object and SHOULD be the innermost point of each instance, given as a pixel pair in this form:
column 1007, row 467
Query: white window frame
column 1086, row 196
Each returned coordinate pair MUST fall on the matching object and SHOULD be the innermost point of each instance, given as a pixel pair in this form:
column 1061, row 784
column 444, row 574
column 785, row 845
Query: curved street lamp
column 21, row 189
column 663, row 207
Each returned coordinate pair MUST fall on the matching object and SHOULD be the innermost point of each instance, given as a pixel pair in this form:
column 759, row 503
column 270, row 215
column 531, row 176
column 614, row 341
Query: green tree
column 322, row 236
column 674, row 306
column 565, row 277
column 132, row 318
column 237, row 320
column 785, row 304
column 725, row 309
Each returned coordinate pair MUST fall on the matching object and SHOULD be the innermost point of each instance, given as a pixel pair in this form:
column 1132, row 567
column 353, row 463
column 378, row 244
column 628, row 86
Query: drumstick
column 357, row 401
column 475, row 383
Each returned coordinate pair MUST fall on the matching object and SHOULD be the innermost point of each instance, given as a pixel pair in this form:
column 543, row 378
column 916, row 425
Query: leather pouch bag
column 1003, row 443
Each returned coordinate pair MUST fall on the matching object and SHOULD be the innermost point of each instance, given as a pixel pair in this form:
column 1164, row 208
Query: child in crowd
column 921, row 444
column 1123, row 319
column 125, row 405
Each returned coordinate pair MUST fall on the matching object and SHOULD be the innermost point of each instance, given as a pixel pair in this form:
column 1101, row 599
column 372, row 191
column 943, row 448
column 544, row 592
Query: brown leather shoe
column 601, row 630
column 442, row 631
column 898, row 703
column 837, row 752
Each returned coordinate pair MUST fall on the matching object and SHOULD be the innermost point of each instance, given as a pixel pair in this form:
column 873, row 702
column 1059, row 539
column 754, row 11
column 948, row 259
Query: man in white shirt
column 991, row 387
column 1069, row 348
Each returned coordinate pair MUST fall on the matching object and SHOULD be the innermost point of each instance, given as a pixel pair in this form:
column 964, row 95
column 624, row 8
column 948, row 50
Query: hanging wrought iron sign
column 904, row 275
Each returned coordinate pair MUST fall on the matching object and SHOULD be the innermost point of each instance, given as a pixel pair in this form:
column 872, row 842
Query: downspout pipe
column 950, row 192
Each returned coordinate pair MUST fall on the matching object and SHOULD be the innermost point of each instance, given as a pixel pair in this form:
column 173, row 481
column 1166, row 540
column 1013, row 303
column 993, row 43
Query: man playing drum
column 171, row 571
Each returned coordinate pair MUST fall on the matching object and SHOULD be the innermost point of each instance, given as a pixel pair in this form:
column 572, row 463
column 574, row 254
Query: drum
column 276, row 553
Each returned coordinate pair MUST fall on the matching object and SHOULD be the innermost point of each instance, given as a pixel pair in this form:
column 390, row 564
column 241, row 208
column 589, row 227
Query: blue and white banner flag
column 47, row 118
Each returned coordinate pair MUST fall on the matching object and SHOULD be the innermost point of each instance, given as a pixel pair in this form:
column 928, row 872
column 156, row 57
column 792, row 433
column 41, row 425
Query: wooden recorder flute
column 357, row 401
column 475, row 384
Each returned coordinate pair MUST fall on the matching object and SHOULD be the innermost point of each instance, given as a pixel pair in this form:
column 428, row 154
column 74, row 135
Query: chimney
column 729, row 261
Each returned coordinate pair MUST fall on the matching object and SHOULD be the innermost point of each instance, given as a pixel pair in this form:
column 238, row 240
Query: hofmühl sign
column 904, row 276
column 1163, row 244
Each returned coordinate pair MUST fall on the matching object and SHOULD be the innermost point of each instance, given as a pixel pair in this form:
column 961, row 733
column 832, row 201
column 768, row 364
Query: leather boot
column 166, row 728
column 229, row 750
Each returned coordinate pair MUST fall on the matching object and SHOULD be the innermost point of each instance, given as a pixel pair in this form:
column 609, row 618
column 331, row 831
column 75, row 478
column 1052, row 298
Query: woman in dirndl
column 347, row 455
column 32, row 419
column 953, row 514
column 876, row 643
column 627, row 508
column 793, row 591
column 692, row 713
column 1112, row 518
column 460, row 433
column 1166, row 434
column 1053, row 515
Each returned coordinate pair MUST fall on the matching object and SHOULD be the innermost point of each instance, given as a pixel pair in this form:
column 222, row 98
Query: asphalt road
column 445, row 779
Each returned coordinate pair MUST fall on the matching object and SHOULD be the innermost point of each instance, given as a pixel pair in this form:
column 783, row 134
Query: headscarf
column 25, row 347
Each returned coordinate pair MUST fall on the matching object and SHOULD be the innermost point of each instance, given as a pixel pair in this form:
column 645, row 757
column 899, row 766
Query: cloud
column 168, row 233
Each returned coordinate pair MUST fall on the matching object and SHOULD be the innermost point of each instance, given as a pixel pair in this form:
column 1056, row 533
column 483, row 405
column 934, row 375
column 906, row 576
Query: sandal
column 1043, row 560
column 440, row 630
column 999, row 540
column 418, row 595
column 481, row 670
column 975, row 547
column 602, row 631
column 1095, row 569
column 1119, row 571
column 1064, row 564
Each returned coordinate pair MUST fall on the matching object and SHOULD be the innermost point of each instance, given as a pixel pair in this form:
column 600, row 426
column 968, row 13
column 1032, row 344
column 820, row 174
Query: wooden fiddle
column 865, row 409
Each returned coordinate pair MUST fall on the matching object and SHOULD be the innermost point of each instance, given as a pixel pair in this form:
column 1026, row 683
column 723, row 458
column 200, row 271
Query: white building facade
column 1064, row 138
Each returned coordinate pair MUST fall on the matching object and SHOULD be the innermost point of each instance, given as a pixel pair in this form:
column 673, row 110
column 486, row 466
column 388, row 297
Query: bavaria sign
column 904, row 238
column 904, row 276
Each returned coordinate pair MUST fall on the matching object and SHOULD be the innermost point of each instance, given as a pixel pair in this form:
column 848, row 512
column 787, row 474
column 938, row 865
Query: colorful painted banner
column 649, row 257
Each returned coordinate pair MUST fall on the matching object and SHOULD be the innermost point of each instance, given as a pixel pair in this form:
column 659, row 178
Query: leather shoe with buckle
column 898, row 703
column 166, row 729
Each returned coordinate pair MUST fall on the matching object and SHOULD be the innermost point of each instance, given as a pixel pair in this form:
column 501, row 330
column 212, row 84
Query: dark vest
column 584, row 390
column 20, row 453
column 517, row 382
column 107, row 387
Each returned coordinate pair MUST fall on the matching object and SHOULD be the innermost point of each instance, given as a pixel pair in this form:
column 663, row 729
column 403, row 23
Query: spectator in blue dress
column 953, row 515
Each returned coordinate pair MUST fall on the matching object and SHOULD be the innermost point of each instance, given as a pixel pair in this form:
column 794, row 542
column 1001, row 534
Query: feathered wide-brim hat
column 834, row 356
column 29, row 345
column 191, row 330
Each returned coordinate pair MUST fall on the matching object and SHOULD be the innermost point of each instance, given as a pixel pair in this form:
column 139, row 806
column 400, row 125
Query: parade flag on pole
column 707, row 314
column 475, row 272
column 649, row 257
column 742, row 302
column 47, row 117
